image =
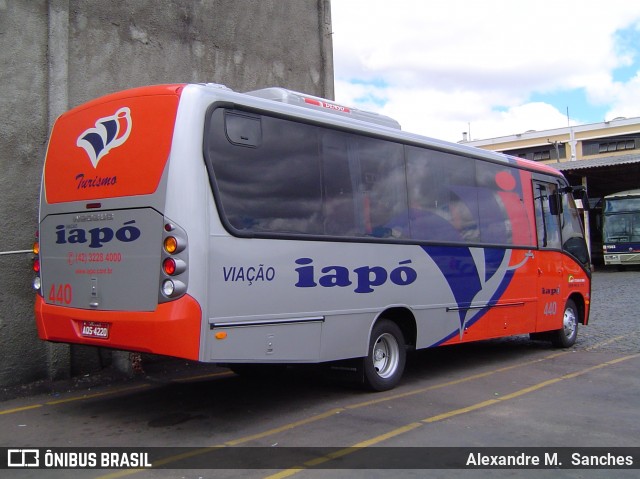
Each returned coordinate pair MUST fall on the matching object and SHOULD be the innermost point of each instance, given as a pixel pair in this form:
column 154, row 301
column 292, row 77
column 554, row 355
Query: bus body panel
column 95, row 260
column 252, row 299
column 114, row 147
column 102, row 226
column 173, row 329
column 464, row 294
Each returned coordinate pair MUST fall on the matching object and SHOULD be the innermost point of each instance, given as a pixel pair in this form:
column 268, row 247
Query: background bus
column 621, row 228
column 274, row 227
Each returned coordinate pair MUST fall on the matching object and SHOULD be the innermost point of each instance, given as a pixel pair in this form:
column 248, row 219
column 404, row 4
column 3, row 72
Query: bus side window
column 364, row 186
column 340, row 208
column 242, row 129
column 547, row 223
column 572, row 237
column 443, row 202
column 385, row 183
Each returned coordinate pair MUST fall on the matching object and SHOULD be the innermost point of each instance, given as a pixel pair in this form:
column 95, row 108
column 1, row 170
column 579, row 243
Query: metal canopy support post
column 585, row 218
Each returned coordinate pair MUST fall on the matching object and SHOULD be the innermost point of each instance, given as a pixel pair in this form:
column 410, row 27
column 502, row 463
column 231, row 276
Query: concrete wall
column 57, row 54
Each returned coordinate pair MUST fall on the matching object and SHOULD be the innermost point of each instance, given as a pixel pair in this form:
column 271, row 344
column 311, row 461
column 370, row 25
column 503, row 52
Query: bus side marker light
column 221, row 335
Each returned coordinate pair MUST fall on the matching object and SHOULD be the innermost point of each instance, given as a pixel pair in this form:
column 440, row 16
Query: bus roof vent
column 217, row 85
column 308, row 101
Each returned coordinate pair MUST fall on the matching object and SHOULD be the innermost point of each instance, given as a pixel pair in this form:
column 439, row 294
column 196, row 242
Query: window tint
column 573, row 240
column 277, row 176
column 274, row 187
column 442, row 196
column 243, row 129
column 302, row 179
column 458, row 199
column 547, row 223
column 505, row 217
column 622, row 227
column 621, row 205
column 364, row 186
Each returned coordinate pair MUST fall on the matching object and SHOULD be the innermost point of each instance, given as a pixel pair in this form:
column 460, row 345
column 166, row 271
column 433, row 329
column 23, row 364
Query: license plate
column 91, row 329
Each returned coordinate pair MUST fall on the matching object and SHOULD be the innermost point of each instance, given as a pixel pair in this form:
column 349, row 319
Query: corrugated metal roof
column 596, row 162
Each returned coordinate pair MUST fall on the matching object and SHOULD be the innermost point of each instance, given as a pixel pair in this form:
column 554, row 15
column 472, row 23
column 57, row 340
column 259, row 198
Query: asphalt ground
column 513, row 394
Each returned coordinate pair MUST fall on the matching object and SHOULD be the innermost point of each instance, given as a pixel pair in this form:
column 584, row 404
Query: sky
column 490, row 68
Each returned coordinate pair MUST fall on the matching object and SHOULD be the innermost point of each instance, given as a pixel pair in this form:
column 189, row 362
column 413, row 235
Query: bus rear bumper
column 173, row 329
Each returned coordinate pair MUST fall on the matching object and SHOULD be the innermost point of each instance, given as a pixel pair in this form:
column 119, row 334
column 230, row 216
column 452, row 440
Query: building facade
column 604, row 157
column 57, row 54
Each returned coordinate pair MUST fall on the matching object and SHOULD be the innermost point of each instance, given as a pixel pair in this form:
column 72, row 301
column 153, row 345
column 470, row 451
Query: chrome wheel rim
column 570, row 323
column 386, row 354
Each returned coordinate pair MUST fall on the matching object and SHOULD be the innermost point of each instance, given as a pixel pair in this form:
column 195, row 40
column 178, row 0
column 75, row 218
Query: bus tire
column 384, row 364
column 566, row 336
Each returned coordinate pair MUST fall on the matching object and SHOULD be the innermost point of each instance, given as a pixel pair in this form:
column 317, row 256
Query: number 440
column 550, row 309
column 60, row 293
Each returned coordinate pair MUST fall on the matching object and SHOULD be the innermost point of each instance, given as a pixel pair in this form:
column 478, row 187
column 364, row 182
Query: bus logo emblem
column 109, row 132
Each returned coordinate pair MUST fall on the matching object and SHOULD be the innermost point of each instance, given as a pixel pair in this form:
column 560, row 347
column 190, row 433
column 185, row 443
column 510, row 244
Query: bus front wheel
column 566, row 336
column 384, row 365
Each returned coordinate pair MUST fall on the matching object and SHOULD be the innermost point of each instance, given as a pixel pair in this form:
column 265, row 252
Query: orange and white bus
column 275, row 227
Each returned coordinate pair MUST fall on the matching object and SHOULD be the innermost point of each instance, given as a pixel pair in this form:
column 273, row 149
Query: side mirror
column 579, row 195
column 555, row 204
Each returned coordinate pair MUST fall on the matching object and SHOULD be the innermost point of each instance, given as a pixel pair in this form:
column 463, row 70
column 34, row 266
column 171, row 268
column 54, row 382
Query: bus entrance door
column 550, row 264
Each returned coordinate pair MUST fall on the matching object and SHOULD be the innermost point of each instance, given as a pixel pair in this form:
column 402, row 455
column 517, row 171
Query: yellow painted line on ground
column 286, row 427
column 611, row 341
column 344, row 452
column 223, row 374
column 20, row 409
column 454, row 382
column 76, row 398
column 440, row 417
column 292, row 425
column 352, row 406
column 335, row 411
column 111, row 392
column 234, row 442
column 99, row 394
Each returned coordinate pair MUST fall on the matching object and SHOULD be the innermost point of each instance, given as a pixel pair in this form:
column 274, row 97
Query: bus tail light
column 174, row 245
column 172, row 288
column 37, row 281
column 174, row 267
column 169, row 266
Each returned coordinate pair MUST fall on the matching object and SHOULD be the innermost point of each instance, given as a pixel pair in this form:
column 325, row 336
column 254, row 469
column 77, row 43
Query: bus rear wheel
column 384, row 365
column 566, row 336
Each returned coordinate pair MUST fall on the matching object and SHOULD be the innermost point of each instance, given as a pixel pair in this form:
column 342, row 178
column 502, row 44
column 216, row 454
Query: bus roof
column 322, row 110
column 302, row 99
column 619, row 194
column 323, row 107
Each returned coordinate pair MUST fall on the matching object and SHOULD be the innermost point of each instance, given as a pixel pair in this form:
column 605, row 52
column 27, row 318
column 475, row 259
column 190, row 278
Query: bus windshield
column 622, row 220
